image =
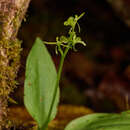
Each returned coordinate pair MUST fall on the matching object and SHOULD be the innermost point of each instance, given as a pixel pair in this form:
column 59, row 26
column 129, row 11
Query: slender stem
column 56, row 87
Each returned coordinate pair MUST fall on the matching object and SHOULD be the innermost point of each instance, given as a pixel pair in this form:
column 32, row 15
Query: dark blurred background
column 98, row 75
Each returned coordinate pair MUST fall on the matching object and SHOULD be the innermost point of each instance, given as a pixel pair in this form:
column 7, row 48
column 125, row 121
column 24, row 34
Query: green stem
column 56, row 87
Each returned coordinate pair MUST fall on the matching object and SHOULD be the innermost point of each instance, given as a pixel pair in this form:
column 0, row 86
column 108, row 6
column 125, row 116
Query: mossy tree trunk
column 12, row 13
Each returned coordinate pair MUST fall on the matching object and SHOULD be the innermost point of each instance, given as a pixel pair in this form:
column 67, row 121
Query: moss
column 11, row 15
column 10, row 49
column 9, row 65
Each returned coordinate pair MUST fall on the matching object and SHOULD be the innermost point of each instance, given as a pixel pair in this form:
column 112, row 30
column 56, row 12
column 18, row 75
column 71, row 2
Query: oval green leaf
column 101, row 121
column 40, row 80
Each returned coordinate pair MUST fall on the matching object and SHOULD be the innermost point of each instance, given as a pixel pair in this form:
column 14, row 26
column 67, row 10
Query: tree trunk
column 12, row 13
